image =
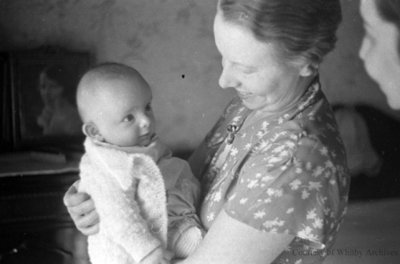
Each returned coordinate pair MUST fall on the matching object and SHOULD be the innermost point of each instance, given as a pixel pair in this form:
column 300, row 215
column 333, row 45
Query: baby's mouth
column 147, row 139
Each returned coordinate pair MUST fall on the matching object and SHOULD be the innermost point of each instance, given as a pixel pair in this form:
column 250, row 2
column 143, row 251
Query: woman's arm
column 230, row 241
column 81, row 208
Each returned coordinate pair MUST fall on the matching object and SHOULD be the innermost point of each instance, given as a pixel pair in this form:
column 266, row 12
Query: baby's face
column 125, row 115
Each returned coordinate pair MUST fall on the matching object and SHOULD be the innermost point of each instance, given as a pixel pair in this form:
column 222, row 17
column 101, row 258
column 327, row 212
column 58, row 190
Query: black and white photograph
column 43, row 86
column 209, row 131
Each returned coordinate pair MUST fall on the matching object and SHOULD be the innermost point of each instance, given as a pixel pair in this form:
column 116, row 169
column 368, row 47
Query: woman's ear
column 91, row 130
column 308, row 70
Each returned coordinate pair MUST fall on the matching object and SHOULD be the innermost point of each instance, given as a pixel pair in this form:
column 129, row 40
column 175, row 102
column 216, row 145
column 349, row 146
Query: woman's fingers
column 77, row 203
column 72, row 197
column 82, row 210
column 90, row 230
column 88, row 219
column 88, row 224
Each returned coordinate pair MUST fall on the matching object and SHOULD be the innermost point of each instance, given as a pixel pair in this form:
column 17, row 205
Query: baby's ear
column 91, row 130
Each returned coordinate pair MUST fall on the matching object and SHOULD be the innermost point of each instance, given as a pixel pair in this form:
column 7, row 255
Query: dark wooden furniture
column 34, row 224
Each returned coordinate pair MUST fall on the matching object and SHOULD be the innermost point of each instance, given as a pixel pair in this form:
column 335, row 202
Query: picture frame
column 43, row 85
column 6, row 102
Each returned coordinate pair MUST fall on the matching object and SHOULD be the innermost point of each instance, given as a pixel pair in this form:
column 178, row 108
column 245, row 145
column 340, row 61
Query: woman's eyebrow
column 242, row 65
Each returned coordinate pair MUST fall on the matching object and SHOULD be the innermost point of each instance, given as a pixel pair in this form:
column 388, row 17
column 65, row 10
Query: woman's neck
column 288, row 100
column 285, row 102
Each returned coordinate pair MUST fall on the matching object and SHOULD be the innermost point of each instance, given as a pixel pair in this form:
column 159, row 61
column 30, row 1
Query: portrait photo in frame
column 43, row 84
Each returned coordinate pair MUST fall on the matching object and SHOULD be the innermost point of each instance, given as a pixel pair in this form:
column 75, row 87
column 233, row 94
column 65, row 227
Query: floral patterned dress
column 282, row 173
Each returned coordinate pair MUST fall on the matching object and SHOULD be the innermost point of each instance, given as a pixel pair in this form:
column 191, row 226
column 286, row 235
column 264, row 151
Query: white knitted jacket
column 129, row 195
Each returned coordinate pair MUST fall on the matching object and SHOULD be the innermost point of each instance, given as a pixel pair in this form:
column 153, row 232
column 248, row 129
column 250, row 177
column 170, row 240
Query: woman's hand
column 82, row 210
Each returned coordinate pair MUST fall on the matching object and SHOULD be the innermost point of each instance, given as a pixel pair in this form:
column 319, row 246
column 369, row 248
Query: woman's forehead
column 238, row 44
column 368, row 12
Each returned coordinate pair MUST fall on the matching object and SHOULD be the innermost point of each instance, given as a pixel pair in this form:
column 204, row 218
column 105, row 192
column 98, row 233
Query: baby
column 145, row 198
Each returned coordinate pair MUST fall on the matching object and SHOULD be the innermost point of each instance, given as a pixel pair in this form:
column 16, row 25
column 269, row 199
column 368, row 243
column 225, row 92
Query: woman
column 380, row 54
column 273, row 168
column 380, row 46
column 59, row 116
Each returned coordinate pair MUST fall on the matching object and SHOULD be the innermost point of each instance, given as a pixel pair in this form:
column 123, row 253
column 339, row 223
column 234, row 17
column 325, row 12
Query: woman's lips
column 243, row 95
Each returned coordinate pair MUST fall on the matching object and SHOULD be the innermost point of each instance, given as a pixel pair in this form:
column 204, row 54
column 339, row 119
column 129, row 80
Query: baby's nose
column 144, row 121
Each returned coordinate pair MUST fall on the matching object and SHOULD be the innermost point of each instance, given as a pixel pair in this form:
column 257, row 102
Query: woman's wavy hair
column 301, row 28
column 389, row 10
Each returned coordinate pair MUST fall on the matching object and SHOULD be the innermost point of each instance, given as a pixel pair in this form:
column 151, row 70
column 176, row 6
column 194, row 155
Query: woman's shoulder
column 285, row 179
column 307, row 140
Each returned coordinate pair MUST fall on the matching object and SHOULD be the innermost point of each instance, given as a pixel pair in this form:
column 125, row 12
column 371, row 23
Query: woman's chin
column 250, row 103
column 393, row 103
column 254, row 104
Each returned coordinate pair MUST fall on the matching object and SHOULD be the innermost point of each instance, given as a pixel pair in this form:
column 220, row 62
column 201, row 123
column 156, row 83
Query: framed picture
column 43, row 84
column 5, row 103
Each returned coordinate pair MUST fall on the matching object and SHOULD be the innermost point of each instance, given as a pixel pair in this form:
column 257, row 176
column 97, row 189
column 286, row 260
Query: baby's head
column 114, row 102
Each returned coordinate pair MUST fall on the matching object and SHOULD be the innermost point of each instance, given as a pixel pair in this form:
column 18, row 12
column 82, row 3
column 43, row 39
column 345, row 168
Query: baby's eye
column 148, row 108
column 129, row 118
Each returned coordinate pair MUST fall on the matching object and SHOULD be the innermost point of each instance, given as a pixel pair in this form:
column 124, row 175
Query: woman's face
column 379, row 52
column 49, row 89
column 262, row 79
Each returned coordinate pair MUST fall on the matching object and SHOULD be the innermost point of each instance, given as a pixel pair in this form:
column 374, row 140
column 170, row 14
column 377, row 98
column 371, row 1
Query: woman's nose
column 227, row 79
column 361, row 52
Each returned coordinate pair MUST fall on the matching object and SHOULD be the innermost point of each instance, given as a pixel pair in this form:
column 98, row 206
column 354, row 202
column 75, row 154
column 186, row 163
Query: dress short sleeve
column 292, row 184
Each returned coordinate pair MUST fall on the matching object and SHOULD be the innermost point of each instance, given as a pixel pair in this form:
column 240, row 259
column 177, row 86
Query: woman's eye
column 148, row 107
column 369, row 40
column 129, row 118
column 247, row 72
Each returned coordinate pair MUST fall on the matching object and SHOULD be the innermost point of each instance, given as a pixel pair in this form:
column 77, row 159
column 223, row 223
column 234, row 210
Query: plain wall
column 171, row 43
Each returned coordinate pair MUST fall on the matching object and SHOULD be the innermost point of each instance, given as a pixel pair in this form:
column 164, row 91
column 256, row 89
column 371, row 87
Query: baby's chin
column 141, row 142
